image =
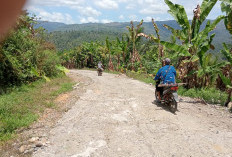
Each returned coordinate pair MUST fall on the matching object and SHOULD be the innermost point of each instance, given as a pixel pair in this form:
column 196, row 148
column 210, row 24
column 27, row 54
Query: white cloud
column 106, row 4
column 131, row 6
column 88, row 11
column 147, row 19
column 89, row 20
column 101, row 10
column 55, row 3
column 155, row 8
column 133, row 18
column 106, row 21
column 54, row 16
column 124, row 1
column 121, row 17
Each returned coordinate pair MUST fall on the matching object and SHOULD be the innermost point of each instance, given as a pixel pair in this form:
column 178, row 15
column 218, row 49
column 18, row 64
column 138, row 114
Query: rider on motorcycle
column 100, row 66
column 165, row 75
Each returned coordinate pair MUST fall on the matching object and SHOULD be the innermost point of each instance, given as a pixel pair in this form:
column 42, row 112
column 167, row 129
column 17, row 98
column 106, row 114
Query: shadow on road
column 163, row 106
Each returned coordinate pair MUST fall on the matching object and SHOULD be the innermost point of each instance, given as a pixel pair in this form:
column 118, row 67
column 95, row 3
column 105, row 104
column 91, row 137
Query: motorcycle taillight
column 174, row 88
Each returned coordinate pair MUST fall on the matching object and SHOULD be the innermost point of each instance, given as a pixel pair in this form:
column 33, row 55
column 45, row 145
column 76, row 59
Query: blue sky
column 105, row 11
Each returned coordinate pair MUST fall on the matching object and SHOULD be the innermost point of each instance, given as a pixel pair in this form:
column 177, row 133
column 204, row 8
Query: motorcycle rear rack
column 171, row 85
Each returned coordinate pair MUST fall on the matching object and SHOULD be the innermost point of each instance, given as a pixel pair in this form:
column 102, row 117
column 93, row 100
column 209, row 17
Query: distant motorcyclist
column 165, row 75
column 100, row 66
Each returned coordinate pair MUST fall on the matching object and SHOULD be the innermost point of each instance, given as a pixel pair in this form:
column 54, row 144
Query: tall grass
column 22, row 105
column 210, row 95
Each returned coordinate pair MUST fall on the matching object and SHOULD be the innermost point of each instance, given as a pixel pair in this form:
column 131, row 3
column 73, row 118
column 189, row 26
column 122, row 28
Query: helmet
column 167, row 61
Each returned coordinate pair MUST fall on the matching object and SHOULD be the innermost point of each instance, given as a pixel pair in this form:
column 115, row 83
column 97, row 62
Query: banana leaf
column 206, row 8
column 179, row 49
column 226, row 53
column 177, row 33
column 180, row 15
column 225, row 80
column 203, row 35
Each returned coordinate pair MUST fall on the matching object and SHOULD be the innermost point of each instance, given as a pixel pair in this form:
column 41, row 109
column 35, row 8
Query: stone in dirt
column 39, row 144
column 29, row 151
column 34, row 139
column 22, row 149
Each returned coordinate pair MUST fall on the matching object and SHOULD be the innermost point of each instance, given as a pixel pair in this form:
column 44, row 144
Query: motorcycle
column 99, row 71
column 169, row 96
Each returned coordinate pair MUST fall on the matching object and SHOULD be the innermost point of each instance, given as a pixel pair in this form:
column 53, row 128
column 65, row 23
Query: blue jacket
column 166, row 76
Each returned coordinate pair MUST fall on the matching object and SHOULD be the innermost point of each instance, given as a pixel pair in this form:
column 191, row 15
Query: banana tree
column 226, row 76
column 160, row 47
column 134, row 39
column 90, row 49
column 194, row 42
column 118, row 48
column 123, row 44
column 210, row 68
column 108, row 49
column 226, row 7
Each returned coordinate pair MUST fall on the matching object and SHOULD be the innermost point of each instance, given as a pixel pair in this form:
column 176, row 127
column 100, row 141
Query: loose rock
column 34, row 139
column 22, row 149
column 39, row 144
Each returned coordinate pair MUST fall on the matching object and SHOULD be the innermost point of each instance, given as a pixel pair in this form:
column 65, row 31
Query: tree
column 25, row 55
column 226, row 7
column 108, row 49
column 194, row 42
column 134, row 39
column 226, row 75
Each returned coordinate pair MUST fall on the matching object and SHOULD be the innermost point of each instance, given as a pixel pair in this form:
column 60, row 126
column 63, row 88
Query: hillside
column 49, row 26
column 69, row 36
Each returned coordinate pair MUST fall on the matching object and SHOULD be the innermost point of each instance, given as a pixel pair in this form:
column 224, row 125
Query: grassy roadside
column 22, row 105
column 141, row 77
column 210, row 95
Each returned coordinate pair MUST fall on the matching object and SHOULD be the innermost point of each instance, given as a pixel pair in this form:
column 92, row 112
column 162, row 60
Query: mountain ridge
column 98, row 31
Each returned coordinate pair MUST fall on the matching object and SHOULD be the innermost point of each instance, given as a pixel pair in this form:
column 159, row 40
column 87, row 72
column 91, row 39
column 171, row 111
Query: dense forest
column 70, row 36
column 71, row 39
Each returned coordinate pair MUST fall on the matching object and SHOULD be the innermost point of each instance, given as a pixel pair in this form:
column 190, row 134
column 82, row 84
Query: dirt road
column 115, row 117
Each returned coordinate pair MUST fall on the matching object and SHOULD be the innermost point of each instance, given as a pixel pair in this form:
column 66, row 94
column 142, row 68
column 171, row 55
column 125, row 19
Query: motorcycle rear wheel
column 173, row 105
column 99, row 73
column 156, row 95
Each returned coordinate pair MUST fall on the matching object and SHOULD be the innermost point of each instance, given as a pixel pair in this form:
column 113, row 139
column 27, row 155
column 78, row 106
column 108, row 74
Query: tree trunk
column 124, row 58
column 111, row 66
column 133, row 58
column 161, row 52
column 118, row 62
column 228, row 98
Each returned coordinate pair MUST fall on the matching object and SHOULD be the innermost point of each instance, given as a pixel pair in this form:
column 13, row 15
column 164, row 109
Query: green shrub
column 25, row 56
column 210, row 95
column 48, row 62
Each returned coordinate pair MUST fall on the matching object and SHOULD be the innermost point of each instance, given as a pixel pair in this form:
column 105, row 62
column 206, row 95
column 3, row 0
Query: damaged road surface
column 116, row 117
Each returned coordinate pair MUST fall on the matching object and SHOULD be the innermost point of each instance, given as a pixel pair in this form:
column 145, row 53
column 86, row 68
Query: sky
column 106, row 11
